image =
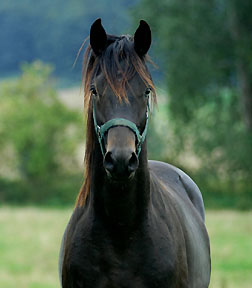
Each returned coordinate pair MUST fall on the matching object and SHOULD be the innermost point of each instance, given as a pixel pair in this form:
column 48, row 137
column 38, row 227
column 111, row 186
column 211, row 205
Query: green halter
column 101, row 130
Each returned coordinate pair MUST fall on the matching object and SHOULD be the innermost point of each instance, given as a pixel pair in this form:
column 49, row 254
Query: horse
column 136, row 223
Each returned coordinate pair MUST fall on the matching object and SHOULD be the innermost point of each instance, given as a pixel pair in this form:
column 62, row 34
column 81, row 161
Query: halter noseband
column 101, row 130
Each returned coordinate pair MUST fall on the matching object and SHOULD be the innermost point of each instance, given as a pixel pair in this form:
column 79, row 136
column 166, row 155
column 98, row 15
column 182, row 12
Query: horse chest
column 141, row 264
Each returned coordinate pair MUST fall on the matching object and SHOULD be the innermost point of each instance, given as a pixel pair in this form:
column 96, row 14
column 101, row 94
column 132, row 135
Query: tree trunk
column 245, row 83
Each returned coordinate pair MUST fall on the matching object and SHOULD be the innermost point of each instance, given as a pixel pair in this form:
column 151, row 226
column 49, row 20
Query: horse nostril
column 133, row 163
column 120, row 165
column 108, row 162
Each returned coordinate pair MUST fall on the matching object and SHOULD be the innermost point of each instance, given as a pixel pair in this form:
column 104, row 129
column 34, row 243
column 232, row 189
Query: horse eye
column 93, row 91
column 147, row 92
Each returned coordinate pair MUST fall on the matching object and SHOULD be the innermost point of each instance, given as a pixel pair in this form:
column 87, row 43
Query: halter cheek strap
column 101, row 130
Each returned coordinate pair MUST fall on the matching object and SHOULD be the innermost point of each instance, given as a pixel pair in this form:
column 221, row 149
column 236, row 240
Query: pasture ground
column 30, row 240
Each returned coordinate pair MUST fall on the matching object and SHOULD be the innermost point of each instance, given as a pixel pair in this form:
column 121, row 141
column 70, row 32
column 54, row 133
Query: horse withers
column 136, row 223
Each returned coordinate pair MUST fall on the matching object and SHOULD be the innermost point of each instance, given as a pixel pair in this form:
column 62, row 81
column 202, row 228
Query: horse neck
column 121, row 204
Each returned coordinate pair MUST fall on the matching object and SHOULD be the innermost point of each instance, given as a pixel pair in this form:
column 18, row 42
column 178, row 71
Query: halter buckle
column 98, row 131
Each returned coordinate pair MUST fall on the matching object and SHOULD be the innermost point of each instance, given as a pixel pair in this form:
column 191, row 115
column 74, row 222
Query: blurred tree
column 205, row 47
column 36, row 124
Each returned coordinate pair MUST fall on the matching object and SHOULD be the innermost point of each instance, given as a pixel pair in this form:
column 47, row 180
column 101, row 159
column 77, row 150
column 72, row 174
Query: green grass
column 29, row 244
column 30, row 240
column 231, row 248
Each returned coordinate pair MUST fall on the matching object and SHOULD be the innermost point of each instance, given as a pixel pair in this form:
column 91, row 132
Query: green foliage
column 198, row 48
column 58, row 190
column 41, row 132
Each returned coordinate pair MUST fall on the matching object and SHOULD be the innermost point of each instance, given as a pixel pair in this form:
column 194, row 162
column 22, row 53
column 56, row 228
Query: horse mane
column 109, row 63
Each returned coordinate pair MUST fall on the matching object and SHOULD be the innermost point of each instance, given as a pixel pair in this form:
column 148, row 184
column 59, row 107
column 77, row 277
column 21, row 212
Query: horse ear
column 98, row 37
column 142, row 38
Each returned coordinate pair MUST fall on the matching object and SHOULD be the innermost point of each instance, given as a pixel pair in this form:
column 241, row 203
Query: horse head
column 120, row 89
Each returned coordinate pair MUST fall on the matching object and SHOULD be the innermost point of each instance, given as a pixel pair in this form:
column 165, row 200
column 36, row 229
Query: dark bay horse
column 136, row 223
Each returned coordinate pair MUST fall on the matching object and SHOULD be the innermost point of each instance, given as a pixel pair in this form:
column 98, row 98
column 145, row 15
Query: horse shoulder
column 173, row 177
column 181, row 195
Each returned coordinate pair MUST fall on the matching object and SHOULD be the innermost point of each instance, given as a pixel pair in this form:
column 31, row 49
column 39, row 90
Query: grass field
column 30, row 241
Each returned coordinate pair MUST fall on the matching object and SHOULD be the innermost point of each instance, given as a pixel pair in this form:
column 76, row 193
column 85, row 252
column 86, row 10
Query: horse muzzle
column 120, row 161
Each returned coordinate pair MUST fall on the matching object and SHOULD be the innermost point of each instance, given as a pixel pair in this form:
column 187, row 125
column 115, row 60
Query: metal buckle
column 98, row 131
